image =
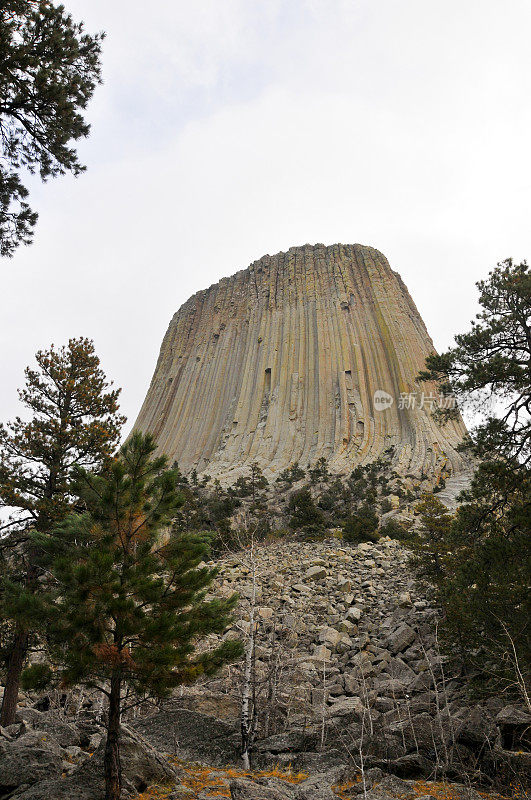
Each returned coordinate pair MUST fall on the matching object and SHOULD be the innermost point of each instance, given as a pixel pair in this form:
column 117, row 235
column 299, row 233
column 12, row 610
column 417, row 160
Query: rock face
column 282, row 361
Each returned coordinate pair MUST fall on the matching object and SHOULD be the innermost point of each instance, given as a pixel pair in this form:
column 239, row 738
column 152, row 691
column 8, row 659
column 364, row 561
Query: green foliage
column 326, row 502
column 394, row 530
column 36, row 678
column 50, row 68
column 483, row 580
column 479, row 564
column 319, row 472
column 364, row 480
column 304, row 514
column 217, row 512
column 252, row 485
column 131, row 600
column 432, row 542
column 292, row 474
column 486, row 590
column 362, row 526
column 74, row 421
column 130, row 604
column 493, row 361
column 386, row 505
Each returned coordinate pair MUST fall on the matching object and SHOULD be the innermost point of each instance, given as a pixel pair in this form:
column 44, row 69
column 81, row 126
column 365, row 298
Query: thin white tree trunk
column 99, row 712
column 80, row 702
column 323, row 708
column 247, row 712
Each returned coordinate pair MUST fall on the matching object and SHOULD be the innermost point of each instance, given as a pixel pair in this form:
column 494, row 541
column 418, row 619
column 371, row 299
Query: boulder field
column 353, row 697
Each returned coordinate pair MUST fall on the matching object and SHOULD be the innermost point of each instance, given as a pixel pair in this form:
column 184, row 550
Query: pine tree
column 304, row 514
column 131, row 605
column 485, row 590
column 362, row 526
column 490, row 366
column 49, row 68
column 257, row 481
column 74, row 421
column 291, row 474
column 434, row 539
column 319, row 472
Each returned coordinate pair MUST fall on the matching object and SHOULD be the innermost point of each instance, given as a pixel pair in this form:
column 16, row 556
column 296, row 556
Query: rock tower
column 287, row 360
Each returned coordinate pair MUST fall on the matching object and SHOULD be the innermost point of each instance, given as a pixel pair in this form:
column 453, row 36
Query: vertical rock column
column 280, row 363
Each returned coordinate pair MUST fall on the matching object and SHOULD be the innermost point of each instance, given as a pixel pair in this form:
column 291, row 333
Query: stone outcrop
column 345, row 662
column 282, row 361
column 40, row 759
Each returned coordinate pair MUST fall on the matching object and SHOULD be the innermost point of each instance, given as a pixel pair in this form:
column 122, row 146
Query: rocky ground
column 352, row 692
column 47, row 757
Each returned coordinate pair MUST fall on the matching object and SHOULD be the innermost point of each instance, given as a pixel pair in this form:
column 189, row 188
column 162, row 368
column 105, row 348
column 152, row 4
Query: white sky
column 227, row 129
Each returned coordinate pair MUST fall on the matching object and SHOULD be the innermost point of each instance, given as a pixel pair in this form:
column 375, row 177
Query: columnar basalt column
column 281, row 362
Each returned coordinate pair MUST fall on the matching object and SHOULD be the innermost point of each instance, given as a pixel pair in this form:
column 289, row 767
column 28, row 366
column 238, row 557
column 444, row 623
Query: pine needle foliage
column 49, row 68
column 74, row 420
column 132, row 596
column 483, row 572
column 489, row 368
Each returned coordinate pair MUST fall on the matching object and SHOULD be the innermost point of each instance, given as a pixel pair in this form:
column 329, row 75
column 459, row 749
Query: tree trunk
column 15, row 666
column 247, row 710
column 246, row 698
column 112, row 766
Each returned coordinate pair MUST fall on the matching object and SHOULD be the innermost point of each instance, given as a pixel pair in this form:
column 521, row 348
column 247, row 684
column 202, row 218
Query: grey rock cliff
column 281, row 362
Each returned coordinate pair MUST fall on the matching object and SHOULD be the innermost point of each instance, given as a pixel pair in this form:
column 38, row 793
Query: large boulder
column 318, row 787
column 515, row 728
column 27, row 761
column 142, row 766
column 191, row 735
column 401, row 638
column 64, row 732
column 475, row 728
column 263, row 789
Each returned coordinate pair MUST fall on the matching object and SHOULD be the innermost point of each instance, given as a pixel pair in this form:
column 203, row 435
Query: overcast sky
column 227, row 129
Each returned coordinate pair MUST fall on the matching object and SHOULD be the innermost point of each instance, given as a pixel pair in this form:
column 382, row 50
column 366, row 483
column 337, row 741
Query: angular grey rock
column 194, row 736
column 141, row 766
column 515, row 728
column 329, row 637
column 315, row 574
column 27, row 764
column 354, row 614
column 317, row 787
column 511, row 715
column 395, row 787
column 48, row 721
column 244, row 789
column 401, row 639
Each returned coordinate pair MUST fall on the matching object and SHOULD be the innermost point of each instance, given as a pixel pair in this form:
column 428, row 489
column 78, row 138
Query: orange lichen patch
column 438, row 789
column 156, row 793
column 445, row 791
column 215, row 782
column 341, row 788
column 287, row 775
